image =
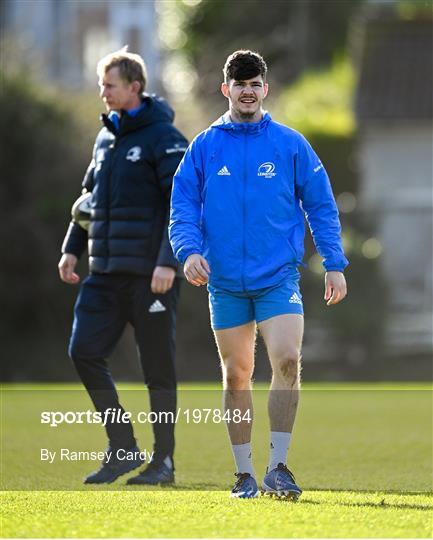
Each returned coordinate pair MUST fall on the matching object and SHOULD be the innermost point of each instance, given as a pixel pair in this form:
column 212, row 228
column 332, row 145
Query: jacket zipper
column 244, row 189
column 110, row 176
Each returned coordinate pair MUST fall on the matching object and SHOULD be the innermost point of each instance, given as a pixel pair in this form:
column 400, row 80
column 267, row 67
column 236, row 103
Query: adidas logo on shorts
column 294, row 299
column 156, row 307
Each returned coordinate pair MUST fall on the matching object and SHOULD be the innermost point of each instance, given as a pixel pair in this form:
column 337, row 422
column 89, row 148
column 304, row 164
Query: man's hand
column 162, row 279
column 196, row 270
column 335, row 287
column 66, row 267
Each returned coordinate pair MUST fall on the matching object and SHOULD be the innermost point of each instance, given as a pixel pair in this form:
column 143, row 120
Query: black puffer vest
column 130, row 177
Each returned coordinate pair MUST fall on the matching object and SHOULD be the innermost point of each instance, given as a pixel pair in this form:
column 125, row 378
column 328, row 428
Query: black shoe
column 117, row 465
column 153, row 474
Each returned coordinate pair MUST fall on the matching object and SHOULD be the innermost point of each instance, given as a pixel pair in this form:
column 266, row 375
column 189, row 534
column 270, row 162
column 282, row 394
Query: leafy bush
column 320, row 102
column 319, row 106
column 43, row 158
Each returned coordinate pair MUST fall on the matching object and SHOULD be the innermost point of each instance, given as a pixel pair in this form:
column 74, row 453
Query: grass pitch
column 362, row 454
column 212, row 514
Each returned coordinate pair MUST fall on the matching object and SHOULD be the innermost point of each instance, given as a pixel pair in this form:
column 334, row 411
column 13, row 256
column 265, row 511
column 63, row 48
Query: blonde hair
column 131, row 66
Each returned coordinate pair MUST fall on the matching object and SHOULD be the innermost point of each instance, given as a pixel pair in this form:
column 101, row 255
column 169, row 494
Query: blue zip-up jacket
column 239, row 198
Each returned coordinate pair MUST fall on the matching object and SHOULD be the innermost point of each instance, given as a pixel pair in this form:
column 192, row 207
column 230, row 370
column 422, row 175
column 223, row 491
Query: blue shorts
column 229, row 309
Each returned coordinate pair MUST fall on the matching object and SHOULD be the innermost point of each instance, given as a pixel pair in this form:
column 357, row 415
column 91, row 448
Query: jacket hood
column 225, row 122
column 155, row 110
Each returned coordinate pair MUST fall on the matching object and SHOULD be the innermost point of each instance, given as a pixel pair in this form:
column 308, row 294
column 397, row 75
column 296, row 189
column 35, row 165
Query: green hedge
column 42, row 161
column 319, row 106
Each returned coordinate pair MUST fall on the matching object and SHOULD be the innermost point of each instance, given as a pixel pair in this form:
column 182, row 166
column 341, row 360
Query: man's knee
column 287, row 366
column 84, row 347
column 78, row 354
column 81, row 358
column 236, row 375
column 73, row 352
column 80, row 363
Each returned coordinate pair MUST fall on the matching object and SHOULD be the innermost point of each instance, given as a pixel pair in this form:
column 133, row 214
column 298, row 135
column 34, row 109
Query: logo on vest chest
column 134, row 154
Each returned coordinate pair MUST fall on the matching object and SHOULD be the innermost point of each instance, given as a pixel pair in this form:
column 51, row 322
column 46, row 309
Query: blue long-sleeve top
column 239, row 198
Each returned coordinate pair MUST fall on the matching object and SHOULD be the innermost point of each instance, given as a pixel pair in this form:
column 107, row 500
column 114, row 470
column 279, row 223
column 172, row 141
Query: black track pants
column 104, row 306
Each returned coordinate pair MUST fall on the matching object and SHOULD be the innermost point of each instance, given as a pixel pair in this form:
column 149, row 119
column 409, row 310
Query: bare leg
column 236, row 350
column 283, row 339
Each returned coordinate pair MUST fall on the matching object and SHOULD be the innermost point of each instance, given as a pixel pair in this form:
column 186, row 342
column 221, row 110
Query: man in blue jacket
column 132, row 267
column 239, row 199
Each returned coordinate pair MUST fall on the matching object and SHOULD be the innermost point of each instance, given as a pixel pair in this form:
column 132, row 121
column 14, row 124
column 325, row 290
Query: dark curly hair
column 243, row 65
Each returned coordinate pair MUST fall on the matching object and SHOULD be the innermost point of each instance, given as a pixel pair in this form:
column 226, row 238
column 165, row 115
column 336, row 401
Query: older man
column 132, row 267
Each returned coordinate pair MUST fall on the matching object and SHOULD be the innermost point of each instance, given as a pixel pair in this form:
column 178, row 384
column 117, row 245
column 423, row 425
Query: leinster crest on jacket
column 134, row 153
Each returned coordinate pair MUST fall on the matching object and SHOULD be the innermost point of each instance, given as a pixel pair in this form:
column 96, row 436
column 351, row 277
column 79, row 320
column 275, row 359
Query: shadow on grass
column 371, row 491
column 198, row 486
column 369, row 504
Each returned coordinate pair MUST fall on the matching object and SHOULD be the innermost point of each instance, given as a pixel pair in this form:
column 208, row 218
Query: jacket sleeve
column 169, row 151
column 186, row 206
column 75, row 240
column 315, row 193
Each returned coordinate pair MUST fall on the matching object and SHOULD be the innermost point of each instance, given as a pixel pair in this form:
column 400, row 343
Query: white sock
column 280, row 441
column 242, row 455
